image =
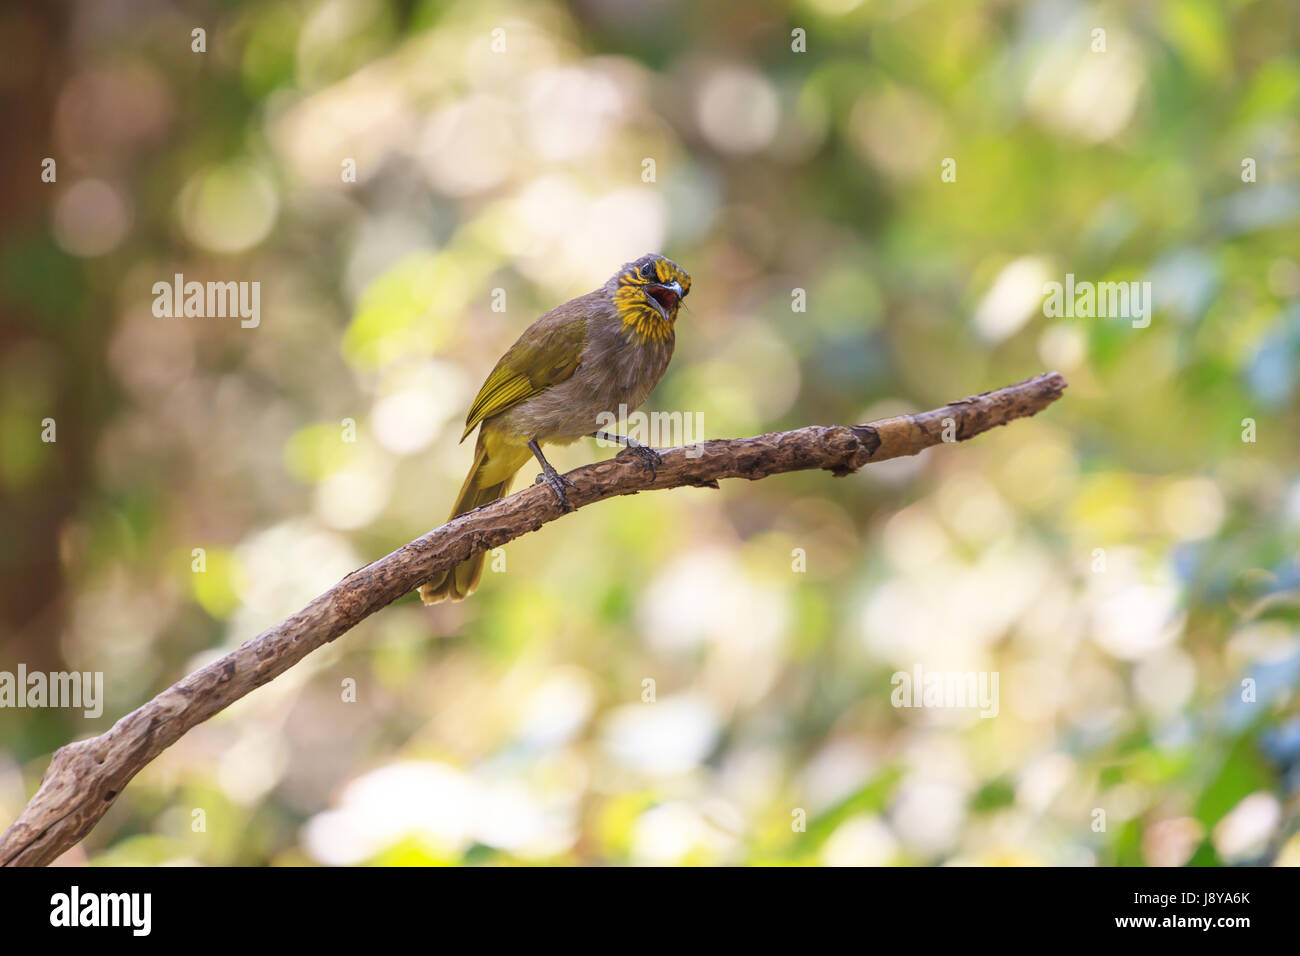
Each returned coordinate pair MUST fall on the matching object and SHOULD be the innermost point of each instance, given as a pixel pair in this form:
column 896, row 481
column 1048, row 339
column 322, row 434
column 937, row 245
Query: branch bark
column 85, row 777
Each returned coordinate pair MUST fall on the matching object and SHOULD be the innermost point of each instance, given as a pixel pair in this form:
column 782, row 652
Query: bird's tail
column 459, row 582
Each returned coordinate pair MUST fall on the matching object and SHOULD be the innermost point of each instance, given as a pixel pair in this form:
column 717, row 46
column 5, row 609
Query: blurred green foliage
column 1126, row 563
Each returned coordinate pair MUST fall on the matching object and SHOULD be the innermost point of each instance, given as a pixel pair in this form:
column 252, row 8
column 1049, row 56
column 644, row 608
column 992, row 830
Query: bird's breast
column 615, row 375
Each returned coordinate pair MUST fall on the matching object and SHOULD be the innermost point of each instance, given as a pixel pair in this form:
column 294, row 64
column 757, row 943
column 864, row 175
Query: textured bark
column 84, row 778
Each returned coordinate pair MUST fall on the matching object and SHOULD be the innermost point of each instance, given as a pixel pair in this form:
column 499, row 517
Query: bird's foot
column 650, row 458
column 557, row 483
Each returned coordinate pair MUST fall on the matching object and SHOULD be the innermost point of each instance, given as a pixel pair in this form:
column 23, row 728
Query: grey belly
column 568, row 411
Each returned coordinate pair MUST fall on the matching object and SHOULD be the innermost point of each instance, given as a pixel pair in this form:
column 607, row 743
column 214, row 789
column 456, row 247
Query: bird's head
column 647, row 293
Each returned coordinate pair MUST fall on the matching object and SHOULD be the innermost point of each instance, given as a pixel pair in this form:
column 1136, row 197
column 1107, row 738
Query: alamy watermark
column 209, row 300
column 956, row 690
column 1102, row 300
column 655, row 429
column 56, row 689
column 130, row 910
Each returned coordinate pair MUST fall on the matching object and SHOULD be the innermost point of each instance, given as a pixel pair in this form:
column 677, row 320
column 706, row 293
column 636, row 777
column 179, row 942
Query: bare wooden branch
column 85, row 777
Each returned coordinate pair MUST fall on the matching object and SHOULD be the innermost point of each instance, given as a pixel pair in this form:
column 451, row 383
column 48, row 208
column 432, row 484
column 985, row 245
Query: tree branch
column 85, row 777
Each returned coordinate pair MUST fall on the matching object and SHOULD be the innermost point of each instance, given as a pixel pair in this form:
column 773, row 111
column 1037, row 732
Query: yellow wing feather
column 548, row 352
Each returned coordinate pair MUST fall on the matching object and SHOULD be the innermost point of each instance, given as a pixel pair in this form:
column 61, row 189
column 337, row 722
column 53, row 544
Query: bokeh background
column 1126, row 562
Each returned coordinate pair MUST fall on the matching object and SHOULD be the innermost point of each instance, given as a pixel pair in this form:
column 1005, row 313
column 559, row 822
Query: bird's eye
column 648, row 271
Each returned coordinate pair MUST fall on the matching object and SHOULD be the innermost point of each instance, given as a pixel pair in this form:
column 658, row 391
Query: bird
column 567, row 372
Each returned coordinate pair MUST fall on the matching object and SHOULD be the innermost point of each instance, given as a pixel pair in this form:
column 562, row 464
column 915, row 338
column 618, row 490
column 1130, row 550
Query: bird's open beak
column 665, row 296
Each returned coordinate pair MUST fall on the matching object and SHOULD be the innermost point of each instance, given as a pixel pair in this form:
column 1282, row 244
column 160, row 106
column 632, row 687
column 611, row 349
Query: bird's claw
column 650, row 458
column 557, row 483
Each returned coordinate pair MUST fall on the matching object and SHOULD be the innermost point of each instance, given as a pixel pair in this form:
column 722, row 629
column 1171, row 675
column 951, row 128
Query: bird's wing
column 546, row 354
